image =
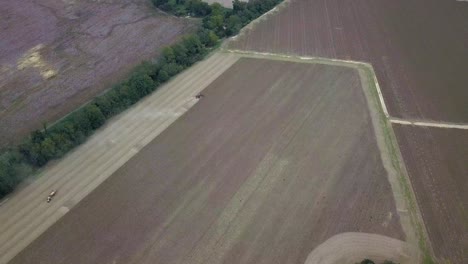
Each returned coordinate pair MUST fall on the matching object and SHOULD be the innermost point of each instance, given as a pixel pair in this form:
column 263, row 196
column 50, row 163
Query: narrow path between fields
column 427, row 123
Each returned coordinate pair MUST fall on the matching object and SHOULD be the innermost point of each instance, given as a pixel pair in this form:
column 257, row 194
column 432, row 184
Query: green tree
column 35, row 155
column 181, row 54
column 158, row 3
column 233, row 25
column 217, row 9
column 81, row 122
column 212, row 39
column 172, row 69
column 105, row 105
column 142, row 83
column 37, row 136
column 8, row 177
column 62, row 143
column 163, row 76
column 207, row 37
column 215, row 22
column 238, row 6
column 168, row 54
column 193, row 45
column 116, row 98
column 198, row 8
column 66, row 129
column 48, row 149
column 169, row 5
column 94, row 115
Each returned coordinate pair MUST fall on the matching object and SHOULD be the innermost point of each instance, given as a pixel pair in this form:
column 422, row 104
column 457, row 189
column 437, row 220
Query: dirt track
column 277, row 158
column 26, row 215
column 352, row 248
column 56, row 55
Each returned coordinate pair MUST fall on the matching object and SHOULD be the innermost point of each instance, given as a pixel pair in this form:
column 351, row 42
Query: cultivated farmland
column 437, row 161
column 277, row 158
column 26, row 215
column 418, row 51
column 56, row 55
column 417, row 48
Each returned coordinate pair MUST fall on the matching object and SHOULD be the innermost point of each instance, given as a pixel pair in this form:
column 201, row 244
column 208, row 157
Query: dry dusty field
column 56, row 54
column 25, row 215
column 418, row 48
column 418, row 51
column 437, row 161
column 275, row 159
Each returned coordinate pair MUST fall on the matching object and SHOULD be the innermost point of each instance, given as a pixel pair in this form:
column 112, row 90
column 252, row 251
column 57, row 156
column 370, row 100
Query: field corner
column 398, row 165
column 410, row 215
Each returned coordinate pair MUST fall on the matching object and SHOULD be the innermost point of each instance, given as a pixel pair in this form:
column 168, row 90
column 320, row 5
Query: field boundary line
column 322, row 60
column 350, row 63
column 400, row 181
column 427, row 123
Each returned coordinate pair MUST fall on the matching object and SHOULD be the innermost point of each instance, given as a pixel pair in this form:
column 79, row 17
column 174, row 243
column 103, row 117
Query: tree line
column 53, row 142
column 224, row 22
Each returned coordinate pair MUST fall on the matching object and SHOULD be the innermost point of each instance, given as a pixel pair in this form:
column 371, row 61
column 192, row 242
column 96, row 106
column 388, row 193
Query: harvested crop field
column 418, row 48
column 274, row 160
column 25, row 215
column 436, row 159
column 55, row 55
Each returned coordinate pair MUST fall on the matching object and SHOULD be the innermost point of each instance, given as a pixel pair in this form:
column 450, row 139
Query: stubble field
column 56, row 55
column 25, row 215
column 275, row 159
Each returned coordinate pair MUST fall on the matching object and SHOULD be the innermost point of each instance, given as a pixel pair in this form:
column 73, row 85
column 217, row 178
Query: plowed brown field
column 418, row 47
column 437, row 161
column 56, row 55
column 418, row 51
column 274, row 160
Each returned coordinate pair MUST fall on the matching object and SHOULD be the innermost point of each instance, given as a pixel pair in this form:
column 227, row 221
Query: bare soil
column 274, row 160
column 55, row 55
column 25, row 215
column 418, row 48
column 418, row 51
column 436, row 159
